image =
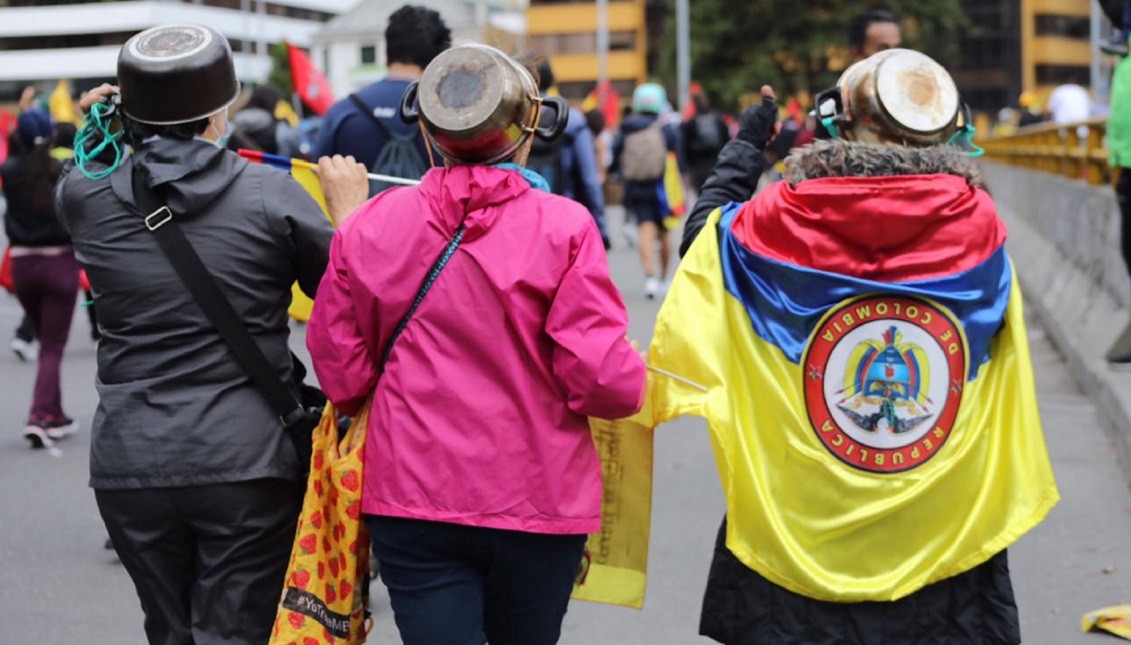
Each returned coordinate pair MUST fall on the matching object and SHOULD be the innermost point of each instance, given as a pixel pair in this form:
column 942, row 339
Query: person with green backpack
column 366, row 125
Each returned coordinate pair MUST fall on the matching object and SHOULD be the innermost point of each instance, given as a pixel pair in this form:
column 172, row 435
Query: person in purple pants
column 44, row 271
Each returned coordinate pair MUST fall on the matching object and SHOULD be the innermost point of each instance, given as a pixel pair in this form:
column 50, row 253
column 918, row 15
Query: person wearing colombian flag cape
column 858, row 334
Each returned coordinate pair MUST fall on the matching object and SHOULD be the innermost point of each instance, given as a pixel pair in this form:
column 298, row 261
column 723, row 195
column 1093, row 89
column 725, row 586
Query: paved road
column 59, row 586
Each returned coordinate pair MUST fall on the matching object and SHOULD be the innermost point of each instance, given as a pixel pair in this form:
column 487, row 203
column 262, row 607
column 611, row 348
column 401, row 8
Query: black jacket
column 740, row 607
column 25, row 224
column 1114, row 9
column 734, row 179
column 175, row 409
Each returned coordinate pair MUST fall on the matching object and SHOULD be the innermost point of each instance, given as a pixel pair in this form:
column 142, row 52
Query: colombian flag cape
column 301, row 306
column 868, row 387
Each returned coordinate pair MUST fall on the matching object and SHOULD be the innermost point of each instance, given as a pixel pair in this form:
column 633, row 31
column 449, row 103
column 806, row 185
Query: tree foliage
column 280, row 74
column 798, row 46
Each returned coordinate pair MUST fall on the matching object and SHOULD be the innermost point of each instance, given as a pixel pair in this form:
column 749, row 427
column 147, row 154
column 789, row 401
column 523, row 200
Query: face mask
column 222, row 140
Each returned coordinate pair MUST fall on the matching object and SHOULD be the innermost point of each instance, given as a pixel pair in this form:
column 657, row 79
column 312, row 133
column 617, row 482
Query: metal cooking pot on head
column 899, row 96
column 176, row 74
column 478, row 106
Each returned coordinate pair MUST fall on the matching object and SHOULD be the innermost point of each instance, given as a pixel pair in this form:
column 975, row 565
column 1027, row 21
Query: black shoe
column 1120, row 360
column 1117, row 46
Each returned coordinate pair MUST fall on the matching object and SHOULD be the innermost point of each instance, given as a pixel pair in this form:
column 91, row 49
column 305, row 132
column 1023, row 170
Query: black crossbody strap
column 368, row 111
column 216, row 307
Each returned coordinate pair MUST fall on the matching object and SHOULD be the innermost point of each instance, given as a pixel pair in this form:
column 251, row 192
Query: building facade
column 566, row 32
column 988, row 71
column 1056, row 43
column 1014, row 46
column 43, row 41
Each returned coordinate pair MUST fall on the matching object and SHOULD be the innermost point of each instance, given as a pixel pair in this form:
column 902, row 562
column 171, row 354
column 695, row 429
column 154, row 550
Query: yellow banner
column 301, row 306
column 614, row 565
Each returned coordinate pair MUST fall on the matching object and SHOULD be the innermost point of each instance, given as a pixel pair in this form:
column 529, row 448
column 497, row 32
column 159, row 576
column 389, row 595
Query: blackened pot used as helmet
column 176, row 74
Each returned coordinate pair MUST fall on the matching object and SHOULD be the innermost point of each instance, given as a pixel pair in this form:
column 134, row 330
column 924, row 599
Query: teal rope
column 964, row 139
column 96, row 126
column 432, row 275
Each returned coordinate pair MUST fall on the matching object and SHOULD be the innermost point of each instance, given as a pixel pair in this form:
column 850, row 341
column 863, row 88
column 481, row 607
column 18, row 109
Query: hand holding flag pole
column 286, row 163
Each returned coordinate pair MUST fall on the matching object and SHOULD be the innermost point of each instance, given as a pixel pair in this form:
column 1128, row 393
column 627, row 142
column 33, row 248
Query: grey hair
column 839, row 158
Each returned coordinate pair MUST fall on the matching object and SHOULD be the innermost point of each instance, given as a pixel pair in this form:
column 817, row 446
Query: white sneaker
column 25, row 351
column 652, row 287
column 37, row 436
column 61, row 429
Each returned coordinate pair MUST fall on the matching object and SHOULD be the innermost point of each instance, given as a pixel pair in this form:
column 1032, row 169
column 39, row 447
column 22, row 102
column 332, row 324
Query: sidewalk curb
column 1094, row 378
column 1081, row 315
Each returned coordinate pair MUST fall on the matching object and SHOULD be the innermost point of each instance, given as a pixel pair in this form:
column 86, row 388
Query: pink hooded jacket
column 481, row 415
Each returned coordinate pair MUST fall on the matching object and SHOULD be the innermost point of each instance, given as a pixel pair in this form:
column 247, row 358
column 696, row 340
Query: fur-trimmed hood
column 841, row 158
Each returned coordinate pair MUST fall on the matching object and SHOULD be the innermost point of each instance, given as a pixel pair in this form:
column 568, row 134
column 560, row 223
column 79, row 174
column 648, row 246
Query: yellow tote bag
column 323, row 599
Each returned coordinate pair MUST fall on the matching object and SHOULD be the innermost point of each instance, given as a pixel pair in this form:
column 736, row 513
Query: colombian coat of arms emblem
column 883, row 381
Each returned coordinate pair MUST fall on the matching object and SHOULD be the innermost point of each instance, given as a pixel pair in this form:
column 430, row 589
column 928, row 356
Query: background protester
column 365, row 126
column 570, row 164
column 255, row 125
column 872, row 32
column 44, row 272
column 481, row 478
column 640, row 154
column 704, row 135
column 195, row 478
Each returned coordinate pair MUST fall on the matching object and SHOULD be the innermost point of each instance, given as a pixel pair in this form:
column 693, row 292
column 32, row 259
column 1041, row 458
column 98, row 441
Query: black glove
column 756, row 125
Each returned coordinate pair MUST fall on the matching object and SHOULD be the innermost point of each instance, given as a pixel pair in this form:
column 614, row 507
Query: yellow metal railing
column 1075, row 150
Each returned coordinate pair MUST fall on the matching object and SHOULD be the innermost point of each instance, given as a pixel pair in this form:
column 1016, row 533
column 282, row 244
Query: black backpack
column 705, row 134
column 546, row 160
column 399, row 158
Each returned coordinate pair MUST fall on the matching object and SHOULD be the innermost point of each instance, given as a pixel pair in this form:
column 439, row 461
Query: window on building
column 549, row 44
column 1061, row 74
column 1075, row 27
column 368, row 55
column 620, row 41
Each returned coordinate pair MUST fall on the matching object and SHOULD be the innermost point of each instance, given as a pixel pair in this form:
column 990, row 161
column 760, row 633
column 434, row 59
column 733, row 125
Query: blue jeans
column 452, row 584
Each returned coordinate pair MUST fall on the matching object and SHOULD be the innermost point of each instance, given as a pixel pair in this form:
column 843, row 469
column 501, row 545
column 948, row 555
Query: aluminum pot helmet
column 176, row 74
column 479, row 106
column 898, row 96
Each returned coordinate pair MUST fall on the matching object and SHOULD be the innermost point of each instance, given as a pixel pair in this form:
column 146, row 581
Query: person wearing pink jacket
column 481, row 478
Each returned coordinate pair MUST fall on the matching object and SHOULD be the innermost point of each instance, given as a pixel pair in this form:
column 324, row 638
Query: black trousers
column 740, row 607
column 1123, row 196
column 208, row 562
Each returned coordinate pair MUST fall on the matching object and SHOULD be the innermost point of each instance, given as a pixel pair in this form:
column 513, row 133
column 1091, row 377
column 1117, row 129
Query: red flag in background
column 309, row 82
column 610, row 107
column 689, row 110
column 7, row 125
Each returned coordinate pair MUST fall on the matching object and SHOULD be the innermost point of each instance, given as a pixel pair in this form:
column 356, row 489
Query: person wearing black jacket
column 44, row 272
column 195, row 477
column 740, row 163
